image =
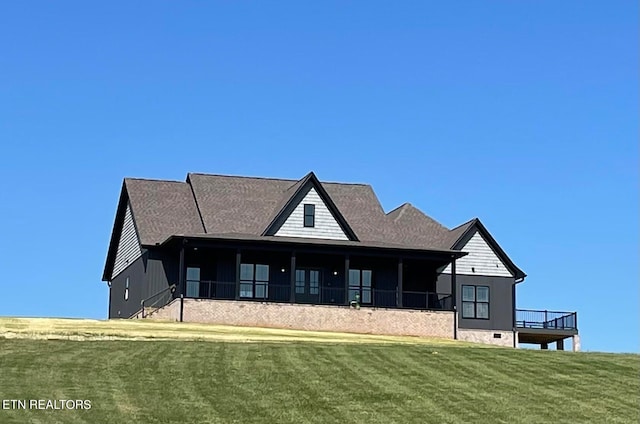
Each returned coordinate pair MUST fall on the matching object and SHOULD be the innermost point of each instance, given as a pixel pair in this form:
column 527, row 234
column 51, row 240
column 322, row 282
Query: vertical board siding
column 128, row 245
column 326, row 226
column 481, row 258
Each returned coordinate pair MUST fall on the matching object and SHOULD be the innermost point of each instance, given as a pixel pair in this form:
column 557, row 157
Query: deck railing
column 326, row 295
column 553, row 320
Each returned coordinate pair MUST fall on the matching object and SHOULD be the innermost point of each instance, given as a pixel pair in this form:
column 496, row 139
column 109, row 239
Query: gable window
column 193, row 282
column 475, row 302
column 309, row 215
column 254, row 281
column 360, row 285
column 126, row 289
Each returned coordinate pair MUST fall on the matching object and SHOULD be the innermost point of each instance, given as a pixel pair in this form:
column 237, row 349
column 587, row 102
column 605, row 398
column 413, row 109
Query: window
column 308, row 281
column 360, row 285
column 126, row 289
column 254, row 281
column 475, row 302
column 309, row 215
column 193, row 282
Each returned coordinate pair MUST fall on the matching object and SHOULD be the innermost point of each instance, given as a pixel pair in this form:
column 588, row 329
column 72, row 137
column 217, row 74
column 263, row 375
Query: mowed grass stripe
column 311, row 382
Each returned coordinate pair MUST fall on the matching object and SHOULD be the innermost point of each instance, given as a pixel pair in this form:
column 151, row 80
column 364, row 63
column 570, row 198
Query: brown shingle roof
column 221, row 204
column 162, row 208
column 417, row 229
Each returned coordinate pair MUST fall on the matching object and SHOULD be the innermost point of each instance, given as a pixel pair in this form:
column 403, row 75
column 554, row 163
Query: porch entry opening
column 308, row 285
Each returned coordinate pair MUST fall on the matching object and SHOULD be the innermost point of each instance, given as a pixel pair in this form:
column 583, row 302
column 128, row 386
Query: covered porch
column 294, row 272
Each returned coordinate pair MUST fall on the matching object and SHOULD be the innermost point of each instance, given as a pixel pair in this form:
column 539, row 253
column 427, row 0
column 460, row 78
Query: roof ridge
column 159, row 180
column 273, row 178
column 398, row 207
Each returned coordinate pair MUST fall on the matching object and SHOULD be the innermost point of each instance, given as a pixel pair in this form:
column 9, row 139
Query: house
column 312, row 255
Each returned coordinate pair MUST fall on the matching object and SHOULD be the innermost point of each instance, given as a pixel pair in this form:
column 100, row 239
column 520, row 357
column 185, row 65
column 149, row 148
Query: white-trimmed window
column 126, row 289
column 475, row 302
column 309, row 215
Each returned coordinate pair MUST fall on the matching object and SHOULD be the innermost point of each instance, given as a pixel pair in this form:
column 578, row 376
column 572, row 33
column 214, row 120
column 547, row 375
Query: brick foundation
column 486, row 337
column 313, row 317
column 170, row 312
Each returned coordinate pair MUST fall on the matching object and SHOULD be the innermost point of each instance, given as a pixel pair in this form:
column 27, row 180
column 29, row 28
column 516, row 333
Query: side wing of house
column 148, row 212
column 485, row 282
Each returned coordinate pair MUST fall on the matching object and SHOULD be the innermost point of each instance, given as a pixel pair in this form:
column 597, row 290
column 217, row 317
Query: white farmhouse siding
column 481, row 260
column 128, row 245
column 326, row 226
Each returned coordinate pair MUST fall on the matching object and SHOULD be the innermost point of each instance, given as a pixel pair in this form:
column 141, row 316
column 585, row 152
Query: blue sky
column 524, row 114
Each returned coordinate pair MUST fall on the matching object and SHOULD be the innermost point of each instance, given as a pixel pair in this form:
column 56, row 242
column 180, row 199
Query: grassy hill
column 151, row 372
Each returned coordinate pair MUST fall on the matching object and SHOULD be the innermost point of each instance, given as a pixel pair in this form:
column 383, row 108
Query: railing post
column 181, row 307
column 546, row 321
column 400, row 283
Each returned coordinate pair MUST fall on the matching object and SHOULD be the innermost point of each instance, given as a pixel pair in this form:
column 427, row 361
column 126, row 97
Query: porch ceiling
column 300, row 243
column 539, row 336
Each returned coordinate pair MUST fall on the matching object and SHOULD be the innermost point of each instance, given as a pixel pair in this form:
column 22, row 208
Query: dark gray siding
column 501, row 306
column 161, row 271
column 118, row 306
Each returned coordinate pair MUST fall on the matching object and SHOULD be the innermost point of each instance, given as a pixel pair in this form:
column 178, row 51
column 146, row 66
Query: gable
column 128, row 245
column 326, row 225
column 481, row 260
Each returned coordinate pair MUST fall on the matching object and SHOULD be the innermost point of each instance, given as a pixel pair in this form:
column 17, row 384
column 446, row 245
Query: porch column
column 400, row 278
column 346, row 279
column 560, row 344
column 292, row 279
column 454, row 299
column 238, row 262
column 181, row 283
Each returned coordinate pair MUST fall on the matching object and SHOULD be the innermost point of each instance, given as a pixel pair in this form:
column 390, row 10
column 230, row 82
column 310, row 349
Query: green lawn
column 322, row 380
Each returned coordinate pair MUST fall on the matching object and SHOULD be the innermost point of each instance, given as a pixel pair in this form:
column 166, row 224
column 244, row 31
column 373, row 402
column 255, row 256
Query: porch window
column 475, row 302
column 193, row 282
column 254, row 281
column 360, row 283
column 309, row 215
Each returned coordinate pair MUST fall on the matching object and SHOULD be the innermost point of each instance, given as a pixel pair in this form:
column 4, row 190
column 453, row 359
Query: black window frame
column 475, row 302
column 255, row 282
column 309, row 212
column 360, row 288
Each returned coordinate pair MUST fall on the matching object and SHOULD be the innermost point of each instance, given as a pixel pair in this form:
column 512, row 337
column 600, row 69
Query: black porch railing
column 157, row 300
column 553, row 320
column 324, row 295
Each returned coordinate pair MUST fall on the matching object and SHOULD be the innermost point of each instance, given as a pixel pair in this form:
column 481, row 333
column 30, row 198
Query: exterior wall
column 501, row 307
column 320, row 318
column 128, row 245
column 481, row 260
column 326, row 226
column 161, row 271
column 119, row 307
column 487, row 337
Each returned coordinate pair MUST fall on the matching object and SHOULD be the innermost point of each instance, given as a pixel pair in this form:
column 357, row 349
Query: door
column 308, row 285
